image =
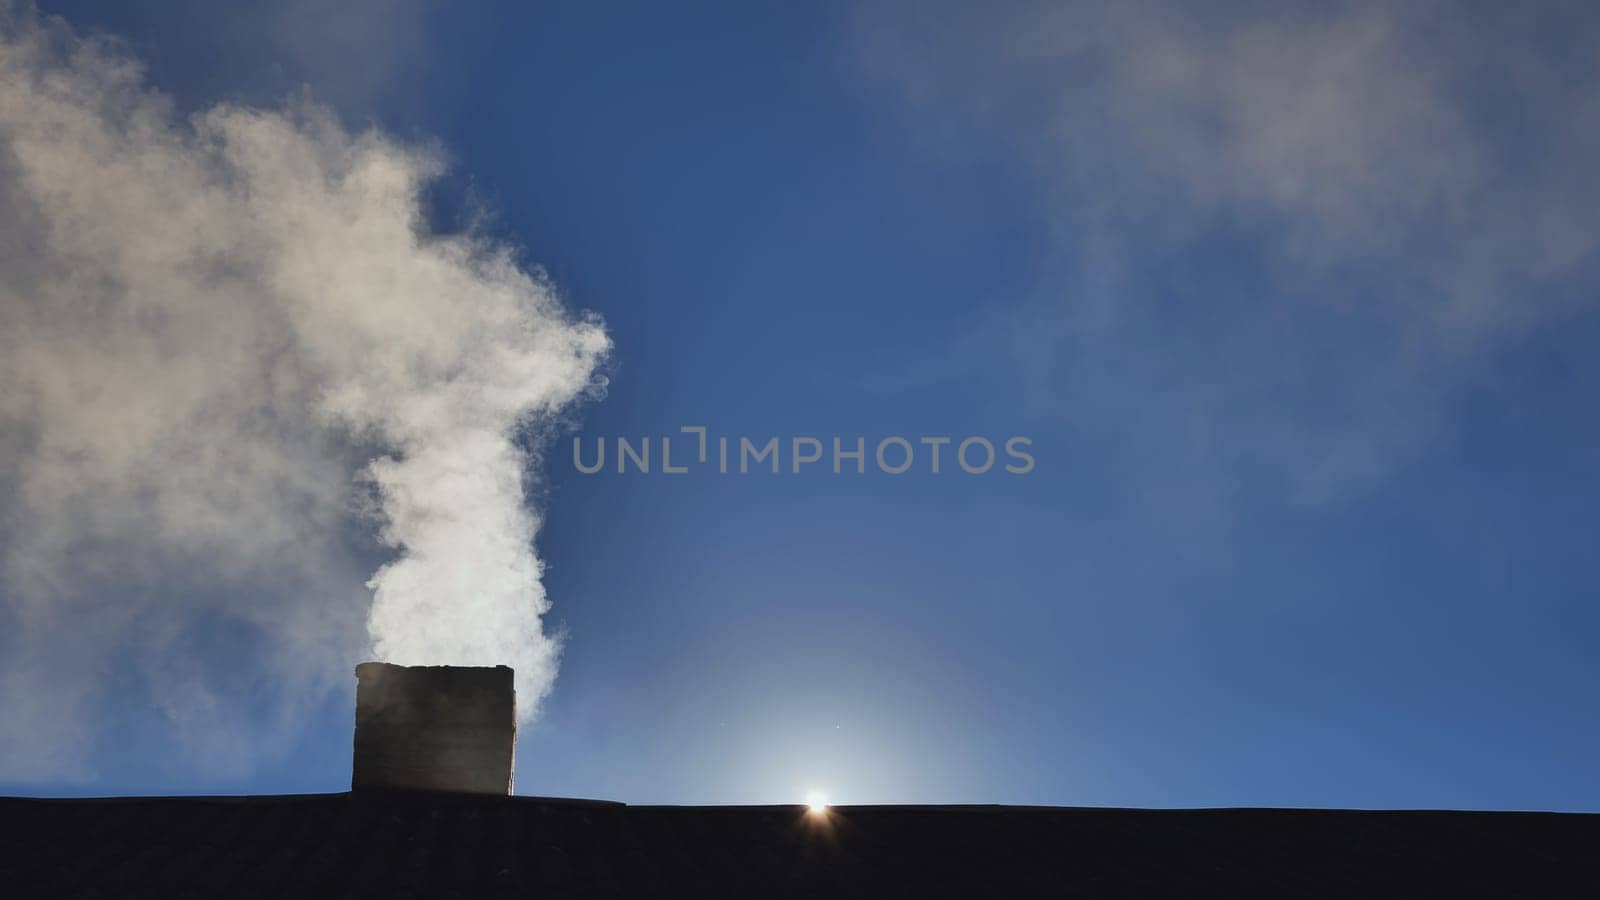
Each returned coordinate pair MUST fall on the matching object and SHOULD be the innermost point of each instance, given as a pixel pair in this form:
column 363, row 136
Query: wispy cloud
column 1405, row 186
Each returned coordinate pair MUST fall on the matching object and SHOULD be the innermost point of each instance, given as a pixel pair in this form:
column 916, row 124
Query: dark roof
column 442, row 846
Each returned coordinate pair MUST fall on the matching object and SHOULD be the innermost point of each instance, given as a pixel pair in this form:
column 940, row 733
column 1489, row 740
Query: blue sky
column 1294, row 304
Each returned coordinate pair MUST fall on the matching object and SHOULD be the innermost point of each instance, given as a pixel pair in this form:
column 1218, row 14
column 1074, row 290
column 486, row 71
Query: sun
column 817, row 803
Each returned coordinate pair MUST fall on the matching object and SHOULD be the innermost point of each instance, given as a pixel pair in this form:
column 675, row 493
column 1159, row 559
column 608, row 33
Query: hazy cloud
column 1408, row 180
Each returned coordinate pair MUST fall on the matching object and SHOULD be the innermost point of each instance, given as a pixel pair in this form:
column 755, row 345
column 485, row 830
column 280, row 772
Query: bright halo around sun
column 817, row 803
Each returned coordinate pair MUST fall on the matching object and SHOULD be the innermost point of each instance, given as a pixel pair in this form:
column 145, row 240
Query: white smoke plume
column 229, row 346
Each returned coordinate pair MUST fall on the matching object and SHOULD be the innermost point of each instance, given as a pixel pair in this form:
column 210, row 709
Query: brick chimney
column 434, row 728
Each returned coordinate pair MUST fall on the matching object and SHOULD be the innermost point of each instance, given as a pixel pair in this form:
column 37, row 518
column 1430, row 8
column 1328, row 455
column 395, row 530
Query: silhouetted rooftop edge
column 420, row 844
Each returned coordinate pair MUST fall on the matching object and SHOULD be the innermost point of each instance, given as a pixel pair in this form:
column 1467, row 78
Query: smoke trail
column 1385, row 229
column 213, row 331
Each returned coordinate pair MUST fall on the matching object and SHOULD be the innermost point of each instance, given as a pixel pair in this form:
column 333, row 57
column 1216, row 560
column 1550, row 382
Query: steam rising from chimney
column 228, row 342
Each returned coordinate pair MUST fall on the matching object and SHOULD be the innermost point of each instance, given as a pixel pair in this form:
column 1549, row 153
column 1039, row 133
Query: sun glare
column 817, row 803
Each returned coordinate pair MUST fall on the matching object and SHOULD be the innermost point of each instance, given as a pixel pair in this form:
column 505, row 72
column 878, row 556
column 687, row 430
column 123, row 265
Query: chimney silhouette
column 434, row 728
